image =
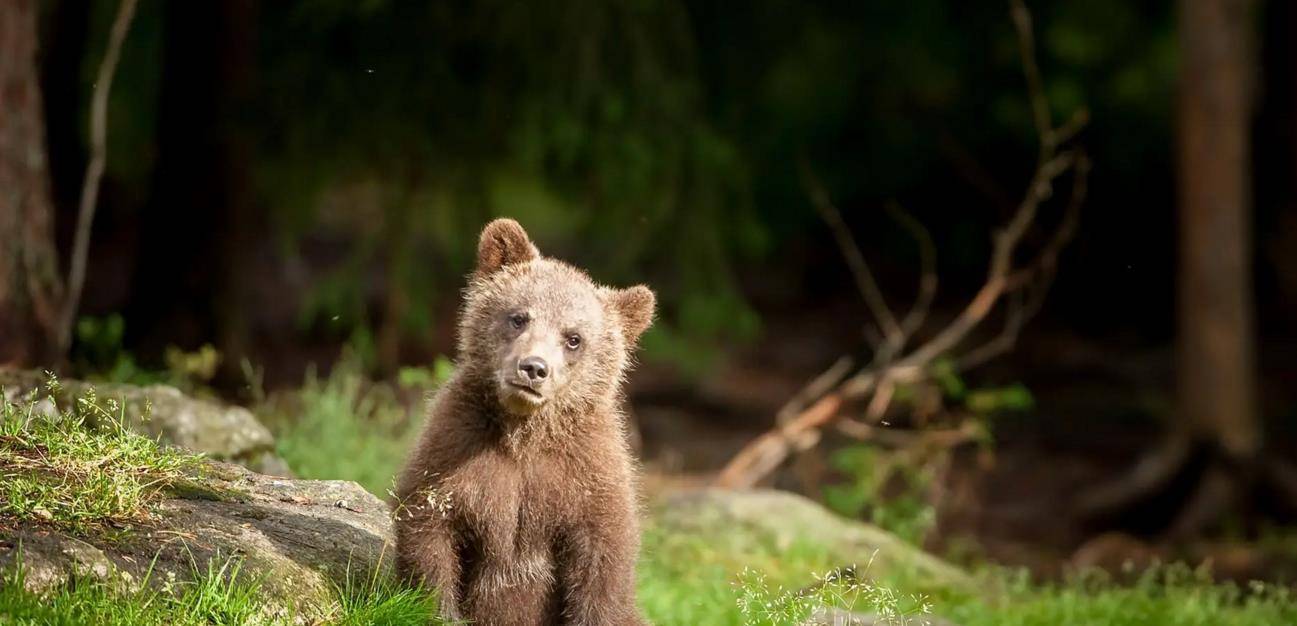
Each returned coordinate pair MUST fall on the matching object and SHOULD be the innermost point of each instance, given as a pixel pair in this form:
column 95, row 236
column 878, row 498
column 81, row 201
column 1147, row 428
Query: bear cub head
column 545, row 336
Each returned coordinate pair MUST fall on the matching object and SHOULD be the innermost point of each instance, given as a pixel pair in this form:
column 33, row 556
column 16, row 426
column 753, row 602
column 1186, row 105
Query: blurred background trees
column 288, row 178
column 284, row 177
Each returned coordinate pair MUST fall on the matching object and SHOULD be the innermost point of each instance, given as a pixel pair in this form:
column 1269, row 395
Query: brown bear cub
column 518, row 503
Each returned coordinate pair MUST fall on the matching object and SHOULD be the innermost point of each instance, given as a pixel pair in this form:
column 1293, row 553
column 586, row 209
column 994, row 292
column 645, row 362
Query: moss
column 200, row 489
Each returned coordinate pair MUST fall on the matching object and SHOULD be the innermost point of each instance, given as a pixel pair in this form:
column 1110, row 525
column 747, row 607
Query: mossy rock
column 777, row 521
column 299, row 539
column 219, row 431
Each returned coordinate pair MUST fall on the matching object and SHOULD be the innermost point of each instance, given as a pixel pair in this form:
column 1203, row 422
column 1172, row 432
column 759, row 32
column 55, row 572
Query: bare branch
column 769, row 450
column 865, row 282
column 927, row 269
column 1035, row 86
column 1036, row 277
column 94, row 170
column 813, row 390
column 898, row 438
column 1047, row 259
column 1014, row 318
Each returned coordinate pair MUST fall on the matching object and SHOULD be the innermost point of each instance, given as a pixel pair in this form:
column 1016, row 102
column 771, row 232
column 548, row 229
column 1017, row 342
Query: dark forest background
column 286, row 179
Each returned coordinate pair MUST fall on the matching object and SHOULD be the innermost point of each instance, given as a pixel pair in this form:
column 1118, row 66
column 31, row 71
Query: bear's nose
column 533, row 368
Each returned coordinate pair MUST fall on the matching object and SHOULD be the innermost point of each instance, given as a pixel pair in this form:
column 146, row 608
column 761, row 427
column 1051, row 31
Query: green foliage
column 426, row 378
column 99, row 354
column 220, row 595
column 81, row 467
column 883, row 488
column 346, row 427
column 989, row 400
column 457, row 113
column 980, row 400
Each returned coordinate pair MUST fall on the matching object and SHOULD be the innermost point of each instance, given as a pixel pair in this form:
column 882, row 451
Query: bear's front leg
column 427, row 555
column 598, row 568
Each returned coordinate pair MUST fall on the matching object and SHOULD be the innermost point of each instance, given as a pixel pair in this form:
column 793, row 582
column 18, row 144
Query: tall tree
column 1218, row 421
column 1216, row 351
column 30, row 285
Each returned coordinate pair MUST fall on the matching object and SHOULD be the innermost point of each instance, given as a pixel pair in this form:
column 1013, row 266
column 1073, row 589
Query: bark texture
column 1217, row 352
column 30, row 286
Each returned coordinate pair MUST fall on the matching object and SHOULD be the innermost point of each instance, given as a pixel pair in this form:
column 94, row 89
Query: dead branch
column 1021, row 288
column 865, row 282
column 817, row 387
column 1036, row 278
column 944, row 439
column 94, row 170
column 927, row 268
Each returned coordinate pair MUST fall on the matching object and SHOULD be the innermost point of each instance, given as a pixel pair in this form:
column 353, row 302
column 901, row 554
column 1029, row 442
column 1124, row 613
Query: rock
column 297, row 537
column 728, row 518
column 222, row 432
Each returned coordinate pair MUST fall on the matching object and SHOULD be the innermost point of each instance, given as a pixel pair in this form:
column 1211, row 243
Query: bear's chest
column 511, row 506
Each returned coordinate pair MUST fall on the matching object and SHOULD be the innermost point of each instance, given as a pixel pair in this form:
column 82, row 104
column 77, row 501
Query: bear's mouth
column 527, row 389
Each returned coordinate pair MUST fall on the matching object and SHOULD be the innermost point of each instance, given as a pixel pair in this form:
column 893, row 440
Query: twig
column 813, row 390
column 927, row 268
column 94, row 170
column 1035, row 86
column 865, row 282
column 901, row 438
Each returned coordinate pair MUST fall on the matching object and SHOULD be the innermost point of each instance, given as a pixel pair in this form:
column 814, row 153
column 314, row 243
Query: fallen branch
column 1022, row 288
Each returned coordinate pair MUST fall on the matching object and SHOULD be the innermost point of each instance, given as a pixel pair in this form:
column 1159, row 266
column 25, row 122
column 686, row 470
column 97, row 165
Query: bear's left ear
column 635, row 304
column 503, row 242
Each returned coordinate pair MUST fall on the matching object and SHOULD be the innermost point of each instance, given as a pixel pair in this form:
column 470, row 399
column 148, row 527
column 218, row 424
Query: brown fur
column 521, row 510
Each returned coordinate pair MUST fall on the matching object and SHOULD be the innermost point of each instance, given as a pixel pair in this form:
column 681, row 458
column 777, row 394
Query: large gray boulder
column 735, row 519
column 299, row 538
column 221, row 432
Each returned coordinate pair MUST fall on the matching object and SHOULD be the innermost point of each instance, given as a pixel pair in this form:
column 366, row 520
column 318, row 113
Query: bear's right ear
column 503, row 242
column 635, row 305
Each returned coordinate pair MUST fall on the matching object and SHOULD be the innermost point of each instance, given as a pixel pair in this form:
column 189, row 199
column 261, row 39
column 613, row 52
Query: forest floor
column 342, row 427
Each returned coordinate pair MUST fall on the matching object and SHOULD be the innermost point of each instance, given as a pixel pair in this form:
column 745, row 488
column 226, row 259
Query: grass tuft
column 347, row 427
column 220, row 595
column 81, row 467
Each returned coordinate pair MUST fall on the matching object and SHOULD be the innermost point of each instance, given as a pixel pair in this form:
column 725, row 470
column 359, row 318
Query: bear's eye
column 518, row 320
column 573, row 341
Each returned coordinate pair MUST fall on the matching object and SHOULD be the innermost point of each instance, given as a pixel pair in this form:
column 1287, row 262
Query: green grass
column 686, row 580
column 345, row 427
column 80, row 467
column 220, row 595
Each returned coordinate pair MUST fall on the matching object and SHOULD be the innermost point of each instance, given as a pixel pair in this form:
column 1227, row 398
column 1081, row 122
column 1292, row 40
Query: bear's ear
column 503, row 242
column 635, row 304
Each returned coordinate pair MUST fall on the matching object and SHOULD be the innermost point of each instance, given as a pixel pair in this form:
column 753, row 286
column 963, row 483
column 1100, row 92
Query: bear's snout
column 533, row 369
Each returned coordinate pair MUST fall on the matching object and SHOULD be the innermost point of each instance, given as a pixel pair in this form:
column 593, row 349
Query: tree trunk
column 1216, row 367
column 1214, row 463
column 30, row 285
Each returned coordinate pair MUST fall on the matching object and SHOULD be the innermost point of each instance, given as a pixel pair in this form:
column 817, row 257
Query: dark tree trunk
column 1217, row 352
column 30, row 285
column 1214, row 462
